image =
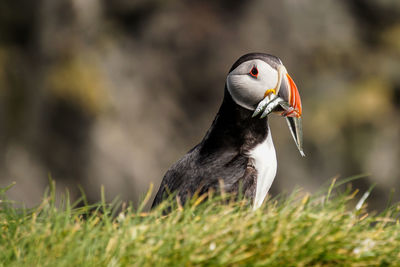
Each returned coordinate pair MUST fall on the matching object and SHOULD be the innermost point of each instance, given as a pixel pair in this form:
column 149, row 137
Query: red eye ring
column 254, row 72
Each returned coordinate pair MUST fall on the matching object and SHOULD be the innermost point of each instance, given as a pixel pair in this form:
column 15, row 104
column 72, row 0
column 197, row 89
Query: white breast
column 264, row 159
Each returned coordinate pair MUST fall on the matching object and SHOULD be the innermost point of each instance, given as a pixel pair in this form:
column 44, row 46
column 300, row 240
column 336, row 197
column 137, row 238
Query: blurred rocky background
column 113, row 92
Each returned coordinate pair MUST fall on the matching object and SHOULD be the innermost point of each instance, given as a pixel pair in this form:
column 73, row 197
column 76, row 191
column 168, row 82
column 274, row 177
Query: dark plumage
column 223, row 153
column 237, row 151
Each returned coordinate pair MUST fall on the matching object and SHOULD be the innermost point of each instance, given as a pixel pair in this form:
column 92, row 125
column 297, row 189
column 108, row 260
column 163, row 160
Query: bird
column 237, row 152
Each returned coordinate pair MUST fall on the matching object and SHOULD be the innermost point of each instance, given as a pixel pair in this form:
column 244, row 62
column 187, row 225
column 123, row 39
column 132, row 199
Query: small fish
column 294, row 121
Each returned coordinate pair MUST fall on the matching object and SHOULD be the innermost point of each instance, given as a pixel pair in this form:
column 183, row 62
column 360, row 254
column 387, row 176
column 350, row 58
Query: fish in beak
column 285, row 100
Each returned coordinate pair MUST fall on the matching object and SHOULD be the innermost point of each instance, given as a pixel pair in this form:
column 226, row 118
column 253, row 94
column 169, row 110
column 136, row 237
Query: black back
column 223, row 152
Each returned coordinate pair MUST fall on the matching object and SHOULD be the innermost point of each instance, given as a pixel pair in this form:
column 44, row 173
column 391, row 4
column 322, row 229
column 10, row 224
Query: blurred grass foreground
column 325, row 229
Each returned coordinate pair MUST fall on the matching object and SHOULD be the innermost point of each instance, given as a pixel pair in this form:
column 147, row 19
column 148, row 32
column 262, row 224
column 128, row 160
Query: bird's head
column 260, row 82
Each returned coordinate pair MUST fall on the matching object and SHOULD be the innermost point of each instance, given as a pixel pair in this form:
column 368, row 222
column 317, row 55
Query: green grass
column 295, row 230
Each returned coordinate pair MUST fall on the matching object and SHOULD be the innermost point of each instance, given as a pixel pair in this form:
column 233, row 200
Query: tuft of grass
column 295, row 230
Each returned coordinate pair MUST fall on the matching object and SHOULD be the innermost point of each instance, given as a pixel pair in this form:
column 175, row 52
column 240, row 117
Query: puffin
column 237, row 154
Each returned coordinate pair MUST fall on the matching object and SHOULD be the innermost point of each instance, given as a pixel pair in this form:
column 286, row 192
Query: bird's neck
column 234, row 129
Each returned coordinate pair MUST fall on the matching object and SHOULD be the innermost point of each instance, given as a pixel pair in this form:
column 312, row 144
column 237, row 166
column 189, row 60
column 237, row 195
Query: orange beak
column 292, row 110
column 293, row 99
column 288, row 100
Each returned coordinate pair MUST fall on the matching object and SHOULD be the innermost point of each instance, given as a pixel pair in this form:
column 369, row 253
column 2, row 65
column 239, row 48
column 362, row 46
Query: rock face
column 113, row 92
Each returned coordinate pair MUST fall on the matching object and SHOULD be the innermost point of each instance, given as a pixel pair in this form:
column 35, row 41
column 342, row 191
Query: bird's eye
column 254, row 72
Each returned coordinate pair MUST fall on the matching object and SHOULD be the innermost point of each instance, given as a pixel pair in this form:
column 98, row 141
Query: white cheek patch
column 243, row 90
column 267, row 75
column 248, row 91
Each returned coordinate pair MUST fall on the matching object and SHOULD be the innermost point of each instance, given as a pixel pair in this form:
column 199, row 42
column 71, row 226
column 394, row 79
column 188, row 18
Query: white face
column 248, row 90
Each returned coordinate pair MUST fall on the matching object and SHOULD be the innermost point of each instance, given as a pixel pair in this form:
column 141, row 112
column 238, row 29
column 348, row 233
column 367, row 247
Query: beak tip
column 302, row 153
